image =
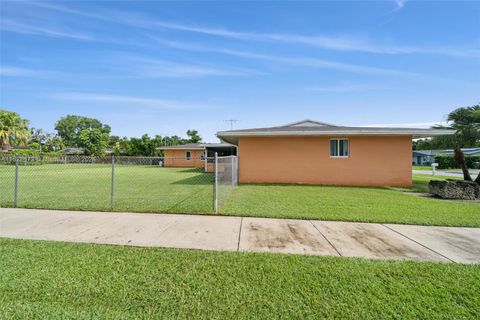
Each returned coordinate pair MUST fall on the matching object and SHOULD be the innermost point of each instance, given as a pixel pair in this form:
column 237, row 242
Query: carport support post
column 215, row 190
column 112, row 193
column 15, row 195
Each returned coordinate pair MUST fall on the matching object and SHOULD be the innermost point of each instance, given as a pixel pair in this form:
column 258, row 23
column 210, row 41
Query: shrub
column 29, row 152
column 447, row 162
column 27, row 157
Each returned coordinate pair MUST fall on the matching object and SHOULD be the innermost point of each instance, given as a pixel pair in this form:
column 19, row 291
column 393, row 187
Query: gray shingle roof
column 315, row 128
column 466, row 151
column 195, row 146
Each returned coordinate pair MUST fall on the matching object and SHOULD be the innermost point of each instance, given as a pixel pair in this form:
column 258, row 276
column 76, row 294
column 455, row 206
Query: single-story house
column 427, row 157
column 312, row 152
column 195, row 155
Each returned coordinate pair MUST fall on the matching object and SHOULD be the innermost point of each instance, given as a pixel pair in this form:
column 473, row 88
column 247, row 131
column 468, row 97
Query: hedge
column 447, row 162
column 29, row 152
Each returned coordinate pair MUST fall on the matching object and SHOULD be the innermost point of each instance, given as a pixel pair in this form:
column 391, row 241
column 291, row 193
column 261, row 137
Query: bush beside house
column 448, row 162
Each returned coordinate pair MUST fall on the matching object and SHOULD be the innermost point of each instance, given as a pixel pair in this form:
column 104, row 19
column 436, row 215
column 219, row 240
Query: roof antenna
column 232, row 121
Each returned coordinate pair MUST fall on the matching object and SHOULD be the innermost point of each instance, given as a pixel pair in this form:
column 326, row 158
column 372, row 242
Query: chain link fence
column 141, row 184
column 226, row 179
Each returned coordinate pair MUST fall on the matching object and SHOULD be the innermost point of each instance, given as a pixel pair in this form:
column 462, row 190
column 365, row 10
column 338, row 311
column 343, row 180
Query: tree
column 53, row 144
column 114, row 140
column 144, row 146
column 70, row 127
column 44, row 141
column 13, row 129
column 193, row 136
column 173, row 140
column 38, row 136
column 466, row 122
column 460, row 158
column 94, row 141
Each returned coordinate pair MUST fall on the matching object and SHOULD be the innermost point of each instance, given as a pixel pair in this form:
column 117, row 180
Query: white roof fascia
column 415, row 133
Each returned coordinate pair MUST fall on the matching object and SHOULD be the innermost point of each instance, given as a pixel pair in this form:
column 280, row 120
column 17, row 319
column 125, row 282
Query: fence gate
column 226, row 179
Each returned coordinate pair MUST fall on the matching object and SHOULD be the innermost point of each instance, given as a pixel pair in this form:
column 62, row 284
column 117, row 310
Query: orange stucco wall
column 176, row 158
column 373, row 161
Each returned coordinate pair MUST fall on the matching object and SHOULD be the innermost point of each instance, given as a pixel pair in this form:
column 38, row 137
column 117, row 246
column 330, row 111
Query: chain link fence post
column 215, row 190
column 15, row 195
column 112, row 188
column 233, row 170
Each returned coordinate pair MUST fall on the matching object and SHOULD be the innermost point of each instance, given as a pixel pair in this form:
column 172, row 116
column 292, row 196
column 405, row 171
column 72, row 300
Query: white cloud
column 17, row 27
column 15, row 72
column 349, row 87
column 298, row 61
column 331, row 42
column 400, row 3
column 157, row 68
column 123, row 100
column 11, row 71
column 339, row 43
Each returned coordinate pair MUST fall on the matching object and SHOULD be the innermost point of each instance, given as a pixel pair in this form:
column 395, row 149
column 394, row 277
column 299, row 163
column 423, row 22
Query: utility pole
column 232, row 121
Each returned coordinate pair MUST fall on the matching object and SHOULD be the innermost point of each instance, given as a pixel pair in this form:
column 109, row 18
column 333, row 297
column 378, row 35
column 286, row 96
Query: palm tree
column 466, row 122
column 13, row 129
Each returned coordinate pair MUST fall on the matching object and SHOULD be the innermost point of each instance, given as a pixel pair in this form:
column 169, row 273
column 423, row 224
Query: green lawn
column 420, row 181
column 422, row 167
column 392, row 205
column 87, row 187
column 154, row 189
column 47, row 280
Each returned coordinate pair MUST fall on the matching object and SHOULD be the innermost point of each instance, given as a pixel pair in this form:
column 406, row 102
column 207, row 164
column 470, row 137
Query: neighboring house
column 427, row 157
column 423, row 157
column 314, row 152
column 195, row 155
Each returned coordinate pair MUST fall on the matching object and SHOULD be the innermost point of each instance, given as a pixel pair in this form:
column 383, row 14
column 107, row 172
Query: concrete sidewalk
column 368, row 240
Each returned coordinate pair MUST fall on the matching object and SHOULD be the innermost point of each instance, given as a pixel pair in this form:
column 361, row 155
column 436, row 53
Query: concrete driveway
column 367, row 240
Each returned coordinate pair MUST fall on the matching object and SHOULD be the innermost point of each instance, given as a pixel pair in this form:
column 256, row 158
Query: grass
column 153, row 189
column 421, row 167
column 383, row 205
column 420, row 181
column 47, row 280
column 87, row 187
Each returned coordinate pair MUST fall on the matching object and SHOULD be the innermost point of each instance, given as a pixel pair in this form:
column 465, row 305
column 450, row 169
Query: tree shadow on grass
column 204, row 179
column 192, row 170
column 189, row 197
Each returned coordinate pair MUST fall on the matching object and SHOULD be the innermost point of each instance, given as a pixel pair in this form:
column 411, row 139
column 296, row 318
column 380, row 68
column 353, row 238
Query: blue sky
column 165, row 67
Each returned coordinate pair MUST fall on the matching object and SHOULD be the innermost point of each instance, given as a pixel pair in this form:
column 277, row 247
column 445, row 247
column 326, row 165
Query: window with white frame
column 187, row 155
column 339, row 148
